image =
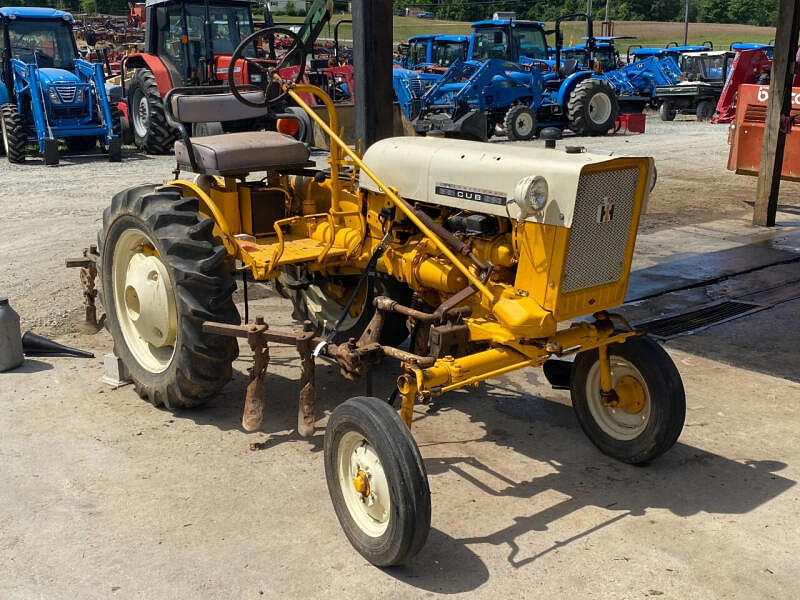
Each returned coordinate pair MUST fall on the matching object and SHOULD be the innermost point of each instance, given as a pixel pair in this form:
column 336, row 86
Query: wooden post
column 780, row 104
column 372, row 66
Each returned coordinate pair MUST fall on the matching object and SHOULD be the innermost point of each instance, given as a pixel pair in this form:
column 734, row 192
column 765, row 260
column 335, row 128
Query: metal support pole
column 778, row 120
column 686, row 25
column 372, row 63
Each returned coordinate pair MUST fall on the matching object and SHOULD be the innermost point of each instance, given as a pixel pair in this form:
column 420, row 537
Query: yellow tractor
column 491, row 258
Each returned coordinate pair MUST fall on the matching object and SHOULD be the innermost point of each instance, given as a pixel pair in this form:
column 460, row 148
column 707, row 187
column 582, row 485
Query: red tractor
column 187, row 43
column 190, row 43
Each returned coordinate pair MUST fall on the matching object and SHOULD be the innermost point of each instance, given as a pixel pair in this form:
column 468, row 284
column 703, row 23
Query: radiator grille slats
column 66, row 93
column 600, row 229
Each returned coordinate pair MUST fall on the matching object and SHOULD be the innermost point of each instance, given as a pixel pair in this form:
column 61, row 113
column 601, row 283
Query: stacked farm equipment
column 47, row 93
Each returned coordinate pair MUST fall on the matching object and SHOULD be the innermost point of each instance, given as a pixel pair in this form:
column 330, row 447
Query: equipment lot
column 101, row 495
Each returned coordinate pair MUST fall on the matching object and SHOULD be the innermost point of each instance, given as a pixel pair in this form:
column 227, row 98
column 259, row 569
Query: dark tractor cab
column 188, row 36
column 508, row 39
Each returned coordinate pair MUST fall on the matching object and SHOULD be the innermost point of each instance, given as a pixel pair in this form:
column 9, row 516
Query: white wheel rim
column 600, row 108
column 524, row 124
column 355, row 457
column 616, row 422
column 144, row 301
column 141, row 116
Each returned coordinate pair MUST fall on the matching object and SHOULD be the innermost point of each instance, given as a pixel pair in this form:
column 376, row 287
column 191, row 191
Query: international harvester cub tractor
column 494, row 256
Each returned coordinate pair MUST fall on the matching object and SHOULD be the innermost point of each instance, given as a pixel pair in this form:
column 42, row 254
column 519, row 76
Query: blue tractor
column 431, row 50
column 48, row 93
column 511, row 84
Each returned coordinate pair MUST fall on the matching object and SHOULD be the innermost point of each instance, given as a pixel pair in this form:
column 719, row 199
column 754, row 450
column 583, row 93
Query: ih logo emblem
column 605, row 212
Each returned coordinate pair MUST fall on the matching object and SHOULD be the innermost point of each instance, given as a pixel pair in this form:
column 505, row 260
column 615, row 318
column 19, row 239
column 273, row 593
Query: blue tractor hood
column 49, row 76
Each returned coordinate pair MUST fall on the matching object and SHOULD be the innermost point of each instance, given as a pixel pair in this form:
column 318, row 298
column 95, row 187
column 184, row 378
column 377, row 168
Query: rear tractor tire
column 15, row 140
column 151, row 131
column 377, row 481
column 592, row 108
column 651, row 402
column 163, row 274
column 520, row 123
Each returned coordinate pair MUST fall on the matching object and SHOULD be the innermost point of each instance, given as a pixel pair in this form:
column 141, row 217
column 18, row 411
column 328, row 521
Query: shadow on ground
column 685, row 481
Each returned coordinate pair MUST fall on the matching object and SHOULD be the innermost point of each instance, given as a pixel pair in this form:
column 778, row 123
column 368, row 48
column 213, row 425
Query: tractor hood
column 492, row 179
column 50, row 76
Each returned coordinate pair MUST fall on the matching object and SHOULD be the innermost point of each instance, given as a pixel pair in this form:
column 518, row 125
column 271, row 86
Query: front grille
column 66, row 93
column 419, row 86
column 601, row 225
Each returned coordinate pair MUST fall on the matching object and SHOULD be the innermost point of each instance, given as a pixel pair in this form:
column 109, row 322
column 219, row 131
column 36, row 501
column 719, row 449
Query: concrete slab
column 682, row 257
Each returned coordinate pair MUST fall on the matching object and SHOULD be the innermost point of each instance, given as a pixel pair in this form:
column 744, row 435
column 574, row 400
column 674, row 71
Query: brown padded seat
column 243, row 152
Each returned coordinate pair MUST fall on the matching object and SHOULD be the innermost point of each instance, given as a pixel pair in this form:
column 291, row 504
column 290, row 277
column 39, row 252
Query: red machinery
column 749, row 66
column 747, row 133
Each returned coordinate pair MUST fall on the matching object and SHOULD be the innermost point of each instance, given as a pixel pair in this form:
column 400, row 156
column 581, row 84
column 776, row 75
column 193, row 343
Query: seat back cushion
column 203, row 108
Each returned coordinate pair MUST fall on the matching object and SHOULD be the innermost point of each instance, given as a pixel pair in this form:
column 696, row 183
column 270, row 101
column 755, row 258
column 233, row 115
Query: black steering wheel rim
column 269, row 73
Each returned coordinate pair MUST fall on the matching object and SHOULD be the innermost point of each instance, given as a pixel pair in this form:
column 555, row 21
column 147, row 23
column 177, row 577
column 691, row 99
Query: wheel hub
column 141, row 116
column 147, row 300
column 630, row 394
column 524, row 124
column 364, row 484
column 144, row 301
column 599, row 108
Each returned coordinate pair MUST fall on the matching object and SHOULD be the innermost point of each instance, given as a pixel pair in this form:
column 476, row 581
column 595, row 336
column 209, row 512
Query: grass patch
column 648, row 33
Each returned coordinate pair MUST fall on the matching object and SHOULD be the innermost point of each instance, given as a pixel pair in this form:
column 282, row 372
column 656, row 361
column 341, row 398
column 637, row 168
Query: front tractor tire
column 377, row 481
column 651, row 402
column 163, row 274
column 15, row 140
column 152, row 133
column 592, row 108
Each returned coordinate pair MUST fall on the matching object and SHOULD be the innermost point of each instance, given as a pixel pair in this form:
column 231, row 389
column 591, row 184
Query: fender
column 156, row 66
column 568, row 86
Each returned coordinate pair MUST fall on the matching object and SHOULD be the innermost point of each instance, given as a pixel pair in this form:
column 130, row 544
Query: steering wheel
column 269, row 73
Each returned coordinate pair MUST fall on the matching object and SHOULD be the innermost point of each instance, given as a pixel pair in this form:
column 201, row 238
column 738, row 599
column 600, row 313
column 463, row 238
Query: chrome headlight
column 53, row 96
column 530, row 196
column 652, row 178
column 79, row 95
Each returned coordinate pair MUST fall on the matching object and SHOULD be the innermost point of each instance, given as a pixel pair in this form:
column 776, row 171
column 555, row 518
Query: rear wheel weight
column 163, row 274
column 377, row 481
column 652, row 408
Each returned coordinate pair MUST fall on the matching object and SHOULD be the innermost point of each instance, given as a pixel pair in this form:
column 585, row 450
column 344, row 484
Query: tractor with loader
column 491, row 259
column 48, row 94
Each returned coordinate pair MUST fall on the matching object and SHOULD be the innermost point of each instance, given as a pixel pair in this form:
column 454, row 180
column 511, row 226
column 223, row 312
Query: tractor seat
column 228, row 154
column 245, row 152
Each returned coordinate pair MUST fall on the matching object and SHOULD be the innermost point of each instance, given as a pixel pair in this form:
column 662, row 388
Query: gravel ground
column 103, row 496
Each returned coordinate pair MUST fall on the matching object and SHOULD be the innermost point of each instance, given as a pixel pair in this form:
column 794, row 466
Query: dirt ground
column 104, row 496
